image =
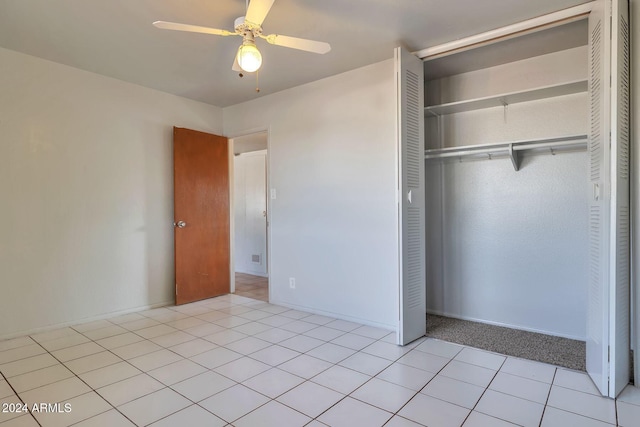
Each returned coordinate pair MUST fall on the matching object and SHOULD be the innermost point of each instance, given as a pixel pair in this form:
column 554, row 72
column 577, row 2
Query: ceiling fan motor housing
column 245, row 27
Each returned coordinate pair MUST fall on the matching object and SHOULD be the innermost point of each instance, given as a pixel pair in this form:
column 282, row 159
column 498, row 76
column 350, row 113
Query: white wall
column 509, row 247
column 514, row 244
column 249, row 203
column 545, row 70
column 252, row 142
column 332, row 163
column 87, row 192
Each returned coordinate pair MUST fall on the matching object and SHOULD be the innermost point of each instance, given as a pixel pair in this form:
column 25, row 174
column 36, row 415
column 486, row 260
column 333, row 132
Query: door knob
column 180, row 224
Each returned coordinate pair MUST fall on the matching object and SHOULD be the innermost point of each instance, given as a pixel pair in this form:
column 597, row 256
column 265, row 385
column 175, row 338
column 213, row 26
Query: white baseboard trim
column 390, row 328
column 252, row 273
column 506, row 325
column 85, row 320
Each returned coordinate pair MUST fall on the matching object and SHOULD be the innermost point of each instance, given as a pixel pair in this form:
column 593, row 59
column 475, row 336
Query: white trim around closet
column 532, row 25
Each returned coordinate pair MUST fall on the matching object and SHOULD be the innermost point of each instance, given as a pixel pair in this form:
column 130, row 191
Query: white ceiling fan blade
column 296, row 43
column 191, row 28
column 236, row 65
column 258, row 10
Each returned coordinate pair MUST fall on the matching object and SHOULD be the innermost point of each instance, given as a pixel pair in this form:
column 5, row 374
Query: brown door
column 201, row 215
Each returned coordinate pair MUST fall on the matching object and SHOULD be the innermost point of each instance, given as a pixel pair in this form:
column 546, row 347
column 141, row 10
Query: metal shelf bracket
column 514, row 157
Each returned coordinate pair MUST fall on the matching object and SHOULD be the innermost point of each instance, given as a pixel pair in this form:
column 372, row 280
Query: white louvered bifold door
column 619, row 333
column 608, row 295
column 598, row 317
column 410, row 92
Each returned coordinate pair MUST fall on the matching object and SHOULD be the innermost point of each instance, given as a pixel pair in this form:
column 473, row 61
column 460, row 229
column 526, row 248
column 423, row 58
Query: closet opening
column 507, row 206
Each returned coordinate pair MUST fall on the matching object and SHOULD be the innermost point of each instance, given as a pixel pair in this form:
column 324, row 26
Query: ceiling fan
column 249, row 27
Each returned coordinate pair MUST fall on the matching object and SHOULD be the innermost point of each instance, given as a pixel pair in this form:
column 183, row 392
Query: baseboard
column 390, row 328
column 252, row 273
column 506, row 325
column 85, row 320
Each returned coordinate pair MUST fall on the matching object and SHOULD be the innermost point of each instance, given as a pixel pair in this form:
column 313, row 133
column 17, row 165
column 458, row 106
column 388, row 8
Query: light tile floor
column 236, row 361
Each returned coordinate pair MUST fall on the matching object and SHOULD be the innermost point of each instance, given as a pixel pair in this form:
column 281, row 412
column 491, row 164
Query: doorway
column 250, row 216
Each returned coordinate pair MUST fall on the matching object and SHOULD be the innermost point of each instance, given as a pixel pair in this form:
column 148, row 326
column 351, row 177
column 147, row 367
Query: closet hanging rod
column 437, row 153
column 550, row 145
column 510, row 149
column 501, row 149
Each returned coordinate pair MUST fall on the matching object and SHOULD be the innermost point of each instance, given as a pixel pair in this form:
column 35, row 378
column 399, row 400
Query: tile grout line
column 546, row 402
column 397, row 413
column 19, row 397
column 84, row 382
column 193, row 314
column 143, row 372
column 334, row 364
column 223, row 346
column 372, row 377
column 305, row 380
column 241, row 383
column 485, row 390
column 208, row 369
column 344, row 395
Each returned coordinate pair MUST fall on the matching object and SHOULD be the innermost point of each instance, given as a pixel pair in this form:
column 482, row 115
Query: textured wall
column 332, row 162
column 510, row 247
column 86, row 178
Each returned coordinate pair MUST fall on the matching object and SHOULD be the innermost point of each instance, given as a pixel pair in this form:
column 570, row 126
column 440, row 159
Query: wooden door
column 201, row 215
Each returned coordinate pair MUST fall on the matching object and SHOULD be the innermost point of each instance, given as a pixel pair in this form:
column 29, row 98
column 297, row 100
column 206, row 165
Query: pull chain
column 257, row 83
column 505, row 107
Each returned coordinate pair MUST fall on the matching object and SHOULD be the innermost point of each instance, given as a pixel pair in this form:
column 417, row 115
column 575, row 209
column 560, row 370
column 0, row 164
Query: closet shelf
column 511, row 149
column 508, row 98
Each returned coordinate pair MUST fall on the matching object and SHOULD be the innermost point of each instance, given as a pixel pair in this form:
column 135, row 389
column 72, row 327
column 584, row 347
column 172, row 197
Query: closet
column 506, row 172
column 526, row 184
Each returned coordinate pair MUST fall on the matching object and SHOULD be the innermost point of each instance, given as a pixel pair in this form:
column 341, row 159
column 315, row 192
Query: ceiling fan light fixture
column 249, row 57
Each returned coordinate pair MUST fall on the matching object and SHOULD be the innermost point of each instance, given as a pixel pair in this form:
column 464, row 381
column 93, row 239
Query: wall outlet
column 292, row 282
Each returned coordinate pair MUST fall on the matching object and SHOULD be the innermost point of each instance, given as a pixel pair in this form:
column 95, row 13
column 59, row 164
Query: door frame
column 232, row 200
column 635, row 199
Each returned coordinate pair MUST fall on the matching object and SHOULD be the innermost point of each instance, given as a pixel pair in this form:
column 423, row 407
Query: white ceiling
column 115, row 37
